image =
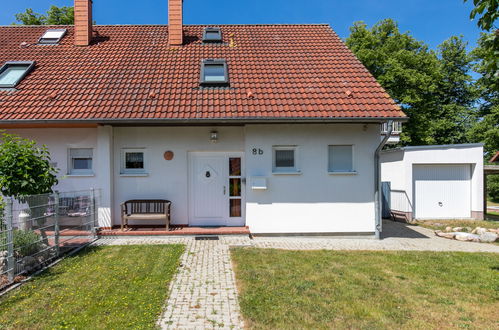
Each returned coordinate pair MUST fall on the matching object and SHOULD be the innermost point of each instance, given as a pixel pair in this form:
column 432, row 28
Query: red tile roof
column 130, row 73
column 495, row 158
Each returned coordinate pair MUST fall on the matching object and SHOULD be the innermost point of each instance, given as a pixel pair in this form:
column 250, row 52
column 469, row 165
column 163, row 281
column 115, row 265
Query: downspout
column 377, row 181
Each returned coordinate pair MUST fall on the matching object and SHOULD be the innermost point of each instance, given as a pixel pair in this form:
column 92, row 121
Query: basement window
column 11, row 73
column 212, row 34
column 214, row 72
column 52, row 36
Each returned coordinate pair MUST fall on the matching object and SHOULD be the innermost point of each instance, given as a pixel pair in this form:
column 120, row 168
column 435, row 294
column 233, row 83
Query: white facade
column 435, row 182
column 309, row 199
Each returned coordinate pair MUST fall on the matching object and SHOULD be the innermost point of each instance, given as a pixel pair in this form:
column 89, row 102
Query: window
column 133, row 161
column 214, row 72
column 285, row 160
column 341, row 158
column 52, row 36
column 212, row 34
column 11, row 73
column 80, row 161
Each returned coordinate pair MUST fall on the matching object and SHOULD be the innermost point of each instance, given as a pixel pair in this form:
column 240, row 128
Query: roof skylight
column 214, row 72
column 11, row 73
column 52, row 36
column 212, row 34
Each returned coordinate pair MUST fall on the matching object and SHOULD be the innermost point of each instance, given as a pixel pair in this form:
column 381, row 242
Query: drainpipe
column 377, row 181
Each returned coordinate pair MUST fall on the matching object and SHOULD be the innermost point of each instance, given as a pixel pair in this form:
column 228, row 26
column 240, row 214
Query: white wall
column 393, row 170
column 313, row 201
column 397, row 167
column 166, row 179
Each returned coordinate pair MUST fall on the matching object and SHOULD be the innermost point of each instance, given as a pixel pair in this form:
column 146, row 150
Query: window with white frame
column 285, row 160
column 80, row 161
column 133, row 161
column 340, row 158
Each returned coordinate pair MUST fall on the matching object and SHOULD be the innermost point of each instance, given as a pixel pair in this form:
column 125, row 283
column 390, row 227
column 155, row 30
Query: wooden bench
column 145, row 209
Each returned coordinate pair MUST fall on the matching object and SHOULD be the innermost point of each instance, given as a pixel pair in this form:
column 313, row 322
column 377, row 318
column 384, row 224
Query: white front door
column 216, row 194
column 442, row 191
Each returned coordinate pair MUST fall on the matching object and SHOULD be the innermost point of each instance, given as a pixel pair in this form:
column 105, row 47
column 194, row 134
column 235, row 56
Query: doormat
column 206, row 238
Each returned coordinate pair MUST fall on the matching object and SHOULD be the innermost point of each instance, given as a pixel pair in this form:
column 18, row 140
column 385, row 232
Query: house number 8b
column 256, row 151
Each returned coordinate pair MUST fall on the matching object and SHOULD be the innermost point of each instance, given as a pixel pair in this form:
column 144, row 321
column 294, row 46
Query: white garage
column 433, row 182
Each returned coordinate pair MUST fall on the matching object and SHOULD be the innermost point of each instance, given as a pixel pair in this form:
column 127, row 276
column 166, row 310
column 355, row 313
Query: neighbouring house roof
column 130, row 73
column 439, row 146
column 495, row 158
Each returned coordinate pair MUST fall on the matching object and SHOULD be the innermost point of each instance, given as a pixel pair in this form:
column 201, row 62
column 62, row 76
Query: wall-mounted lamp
column 213, row 136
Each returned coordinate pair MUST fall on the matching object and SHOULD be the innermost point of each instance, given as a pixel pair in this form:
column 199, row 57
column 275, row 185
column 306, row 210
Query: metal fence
column 36, row 230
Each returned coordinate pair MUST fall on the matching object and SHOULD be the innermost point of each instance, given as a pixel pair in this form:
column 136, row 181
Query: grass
column 442, row 224
column 111, row 287
column 491, row 203
column 367, row 290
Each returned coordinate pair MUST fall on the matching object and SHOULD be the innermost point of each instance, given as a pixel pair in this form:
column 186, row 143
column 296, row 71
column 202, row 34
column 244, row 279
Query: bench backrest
column 141, row 206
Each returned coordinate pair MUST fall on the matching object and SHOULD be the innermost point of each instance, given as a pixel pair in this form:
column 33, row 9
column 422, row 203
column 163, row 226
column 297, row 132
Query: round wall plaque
column 168, row 155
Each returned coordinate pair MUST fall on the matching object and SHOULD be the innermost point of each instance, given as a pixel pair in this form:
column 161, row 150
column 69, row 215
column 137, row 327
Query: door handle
column 224, row 190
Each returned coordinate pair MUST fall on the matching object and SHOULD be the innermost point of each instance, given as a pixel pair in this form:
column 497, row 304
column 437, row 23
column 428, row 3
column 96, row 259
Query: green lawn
column 367, row 290
column 112, row 287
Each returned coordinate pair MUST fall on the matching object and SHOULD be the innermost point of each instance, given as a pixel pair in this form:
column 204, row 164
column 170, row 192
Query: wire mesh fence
column 36, row 230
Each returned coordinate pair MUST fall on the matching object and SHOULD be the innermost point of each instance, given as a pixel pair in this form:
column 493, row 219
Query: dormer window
column 52, row 36
column 11, row 73
column 212, row 34
column 214, row 72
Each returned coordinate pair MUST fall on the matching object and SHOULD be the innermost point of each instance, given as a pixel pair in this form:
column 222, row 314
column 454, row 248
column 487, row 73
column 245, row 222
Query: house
column 434, row 182
column 274, row 127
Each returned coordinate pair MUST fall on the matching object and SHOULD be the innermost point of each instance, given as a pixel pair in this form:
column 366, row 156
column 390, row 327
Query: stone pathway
column 203, row 294
column 396, row 236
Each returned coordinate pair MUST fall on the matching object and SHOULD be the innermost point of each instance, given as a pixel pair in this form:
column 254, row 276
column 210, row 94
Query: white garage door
column 442, row 191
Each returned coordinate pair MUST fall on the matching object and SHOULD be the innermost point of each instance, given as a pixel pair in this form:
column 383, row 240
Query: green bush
column 493, row 187
column 27, row 242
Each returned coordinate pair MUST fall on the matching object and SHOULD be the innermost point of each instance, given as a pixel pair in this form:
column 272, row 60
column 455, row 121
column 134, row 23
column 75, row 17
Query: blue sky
column 430, row 20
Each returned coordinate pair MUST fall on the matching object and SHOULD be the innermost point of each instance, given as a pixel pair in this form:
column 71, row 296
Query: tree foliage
column 54, row 16
column 24, row 167
column 434, row 88
column 488, row 12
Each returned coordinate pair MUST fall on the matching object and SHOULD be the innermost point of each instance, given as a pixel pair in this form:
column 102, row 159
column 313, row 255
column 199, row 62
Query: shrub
column 27, row 242
column 493, row 187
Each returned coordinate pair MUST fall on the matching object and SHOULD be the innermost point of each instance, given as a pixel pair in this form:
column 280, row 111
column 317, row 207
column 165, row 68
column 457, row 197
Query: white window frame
column 133, row 171
column 285, row 170
column 353, row 170
column 80, row 172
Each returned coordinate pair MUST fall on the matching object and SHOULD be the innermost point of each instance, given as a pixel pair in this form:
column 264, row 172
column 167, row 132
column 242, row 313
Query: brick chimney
column 83, row 22
column 175, row 33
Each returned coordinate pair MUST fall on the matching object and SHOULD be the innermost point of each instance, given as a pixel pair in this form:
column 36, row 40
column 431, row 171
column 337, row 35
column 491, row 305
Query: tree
column 488, row 10
column 55, row 16
column 24, row 168
column 456, row 95
column 433, row 88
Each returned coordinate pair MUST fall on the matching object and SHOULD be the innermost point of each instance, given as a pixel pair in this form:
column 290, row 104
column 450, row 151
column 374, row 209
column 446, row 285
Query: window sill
column 286, row 173
column 343, row 173
column 134, row 174
column 89, row 175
